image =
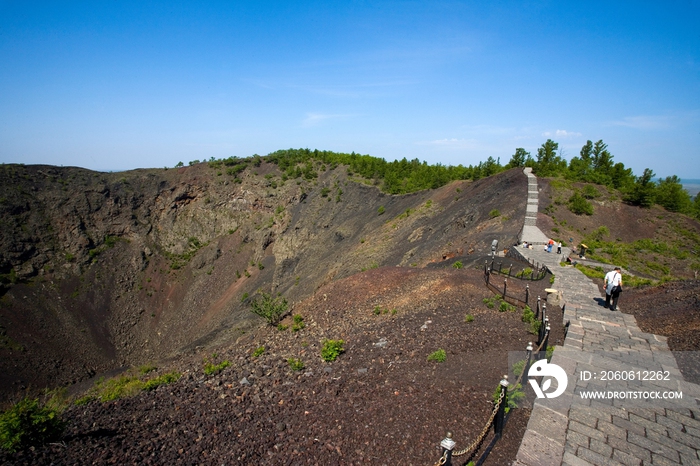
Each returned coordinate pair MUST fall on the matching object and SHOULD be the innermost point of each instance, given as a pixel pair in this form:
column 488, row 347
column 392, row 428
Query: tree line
column 594, row 164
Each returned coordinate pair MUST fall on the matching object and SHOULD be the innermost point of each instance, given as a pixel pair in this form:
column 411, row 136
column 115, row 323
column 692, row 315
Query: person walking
column 613, row 287
column 559, row 247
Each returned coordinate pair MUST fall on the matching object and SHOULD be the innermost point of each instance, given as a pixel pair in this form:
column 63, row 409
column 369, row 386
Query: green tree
column 548, row 162
column 643, row 192
column 602, row 159
column 490, row 167
column 671, row 195
column 518, row 159
column 580, row 167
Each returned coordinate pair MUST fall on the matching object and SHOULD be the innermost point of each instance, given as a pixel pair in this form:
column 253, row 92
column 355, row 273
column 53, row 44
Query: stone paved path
column 573, row 431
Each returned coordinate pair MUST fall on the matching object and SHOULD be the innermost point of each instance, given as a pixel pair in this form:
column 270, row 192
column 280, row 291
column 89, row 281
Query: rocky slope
column 101, row 271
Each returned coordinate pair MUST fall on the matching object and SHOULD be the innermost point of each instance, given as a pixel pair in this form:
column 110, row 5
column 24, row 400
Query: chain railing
column 498, row 418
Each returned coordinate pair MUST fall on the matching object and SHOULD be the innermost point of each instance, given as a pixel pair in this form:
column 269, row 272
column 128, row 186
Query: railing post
column 488, row 276
column 500, row 415
column 510, row 269
column 505, row 286
column 537, row 311
column 447, row 445
column 546, row 338
column 529, row 357
column 527, row 294
column 544, row 312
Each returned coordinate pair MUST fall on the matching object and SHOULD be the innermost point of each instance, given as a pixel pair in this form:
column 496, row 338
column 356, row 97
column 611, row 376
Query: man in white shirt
column 613, row 287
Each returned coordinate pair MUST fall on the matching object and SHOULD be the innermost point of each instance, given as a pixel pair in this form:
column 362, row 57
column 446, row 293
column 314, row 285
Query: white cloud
column 561, row 134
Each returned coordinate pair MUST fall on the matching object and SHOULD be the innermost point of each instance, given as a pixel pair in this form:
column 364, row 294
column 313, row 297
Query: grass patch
column 164, row 379
column 295, row 364
column 332, row 349
column 27, row 423
column 438, row 356
column 298, row 323
column 210, row 368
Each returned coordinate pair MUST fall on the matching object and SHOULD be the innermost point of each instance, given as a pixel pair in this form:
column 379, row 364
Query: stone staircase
column 575, row 431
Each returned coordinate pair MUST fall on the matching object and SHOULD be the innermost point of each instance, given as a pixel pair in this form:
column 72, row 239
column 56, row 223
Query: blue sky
column 120, row 85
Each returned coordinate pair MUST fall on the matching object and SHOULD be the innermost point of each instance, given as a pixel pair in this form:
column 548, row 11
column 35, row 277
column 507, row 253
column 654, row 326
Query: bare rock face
column 104, row 270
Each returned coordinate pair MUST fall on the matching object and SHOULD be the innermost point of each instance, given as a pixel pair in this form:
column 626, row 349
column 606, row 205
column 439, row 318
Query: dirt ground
column 380, row 402
column 672, row 310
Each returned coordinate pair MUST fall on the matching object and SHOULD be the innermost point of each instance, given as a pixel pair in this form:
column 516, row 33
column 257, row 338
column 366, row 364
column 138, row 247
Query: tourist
column 613, row 287
column 559, row 247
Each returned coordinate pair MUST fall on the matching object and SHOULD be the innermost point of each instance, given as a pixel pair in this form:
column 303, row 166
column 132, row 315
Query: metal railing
column 498, row 417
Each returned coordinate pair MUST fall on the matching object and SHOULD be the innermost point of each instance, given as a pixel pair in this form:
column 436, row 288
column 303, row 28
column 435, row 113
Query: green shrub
column 469, row 318
column 549, row 353
column 211, row 368
column 526, row 272
column 258, row 351
column 458, row 265
column 579, row 205
column 590, row 192
column 271, row 309
column 27, row 424
column 438, row 356
column 295, row 364
column 298, row 323
column 504, row 306
column 490, row 302
column 514, row 397
column 494, row 213
column 332, row 349
column 381, row 210
column 118, row 387
column 145, row 369
column 535, row 326
column 528, row 315
column 164, row 379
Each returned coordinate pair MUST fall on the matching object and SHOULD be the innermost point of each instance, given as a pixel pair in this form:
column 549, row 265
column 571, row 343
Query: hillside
column 103, row 271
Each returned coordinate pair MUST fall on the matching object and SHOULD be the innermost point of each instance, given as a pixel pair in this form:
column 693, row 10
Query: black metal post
column 447, row 446
column 510, row 269
column 529, row 349
column 488, row 276
column 537, row 308
column 505, row 286
column 500, row 266
column 544, row 312
column 499, row 421
column 527, row 294
column 546, row 339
